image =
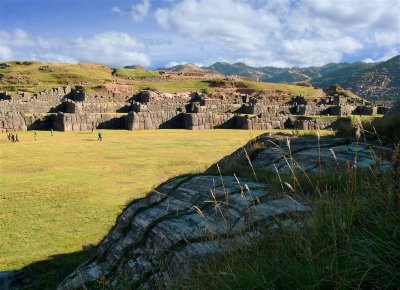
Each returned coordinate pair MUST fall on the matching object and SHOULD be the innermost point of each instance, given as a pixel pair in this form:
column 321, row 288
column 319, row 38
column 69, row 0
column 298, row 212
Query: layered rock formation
column 182, row 223
column 286, row 153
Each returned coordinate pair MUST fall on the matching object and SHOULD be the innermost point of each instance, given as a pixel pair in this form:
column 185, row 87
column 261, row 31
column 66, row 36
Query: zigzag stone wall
column 71, row 109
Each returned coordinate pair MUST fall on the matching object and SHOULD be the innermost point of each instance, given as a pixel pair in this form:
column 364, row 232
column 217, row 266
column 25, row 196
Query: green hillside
column 37, row 76
column 373, row 81
column 135, row 73
column 343, row 75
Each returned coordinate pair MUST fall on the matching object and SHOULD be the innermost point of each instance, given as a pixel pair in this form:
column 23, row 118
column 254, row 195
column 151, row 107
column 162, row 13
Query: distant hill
column 135, row 66
column 374, row 81
column 239, row 69
column 379, row 81
column 274, row 74
column 33, row 76
column 184, row 68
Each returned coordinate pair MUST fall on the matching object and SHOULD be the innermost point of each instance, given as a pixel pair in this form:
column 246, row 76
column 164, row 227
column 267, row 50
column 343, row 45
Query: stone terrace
column 72, row 109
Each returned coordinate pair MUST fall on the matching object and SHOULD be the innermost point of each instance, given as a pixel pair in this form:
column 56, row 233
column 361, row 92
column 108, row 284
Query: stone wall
column 78, row 122
column 366, row 110
column 71, row 109
column 304, row 123
column 12, row 121
column 207, row 120
column 260, row 122
column 153, row 120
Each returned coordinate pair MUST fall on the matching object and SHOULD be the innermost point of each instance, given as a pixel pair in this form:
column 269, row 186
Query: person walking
column 51, row 132
column 16, row 138
column 35, row 136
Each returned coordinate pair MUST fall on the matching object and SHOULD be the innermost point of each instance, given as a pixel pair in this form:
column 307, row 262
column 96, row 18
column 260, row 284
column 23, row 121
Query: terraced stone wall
column 78, row 122
column 71, row 109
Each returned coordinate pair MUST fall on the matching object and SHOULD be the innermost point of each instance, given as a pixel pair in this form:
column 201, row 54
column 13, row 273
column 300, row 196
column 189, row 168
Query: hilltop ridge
column 374, row 81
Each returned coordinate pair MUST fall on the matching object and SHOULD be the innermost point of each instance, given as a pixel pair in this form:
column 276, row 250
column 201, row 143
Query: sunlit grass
column 38, row 76
column 174, row 86
column 136, row 73
column 62, row 191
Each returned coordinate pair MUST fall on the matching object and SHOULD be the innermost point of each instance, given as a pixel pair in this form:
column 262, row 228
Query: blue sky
column 159, row 33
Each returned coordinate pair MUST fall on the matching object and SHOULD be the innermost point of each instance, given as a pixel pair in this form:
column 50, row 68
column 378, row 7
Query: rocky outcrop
column 191, row 219
column 310, row 154
column 182, row 223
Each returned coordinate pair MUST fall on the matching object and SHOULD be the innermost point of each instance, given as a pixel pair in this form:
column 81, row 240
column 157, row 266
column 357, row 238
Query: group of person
column 13, row 138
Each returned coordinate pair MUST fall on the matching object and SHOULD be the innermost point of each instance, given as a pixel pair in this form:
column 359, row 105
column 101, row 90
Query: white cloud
column 228, row 23
column 15, row 38
column 286, row 32
column 258, row 32
column 139, row 11
column 386, row 38
column 389, row 54
column 112, row 48
column 115, row 48
column 5, row 53
column 116, row 9
column 162, row 16
column 52, row 57
column 369, row 60
column 175, row 63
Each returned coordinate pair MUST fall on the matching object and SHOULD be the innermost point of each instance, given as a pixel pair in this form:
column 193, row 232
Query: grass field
column 63, row 191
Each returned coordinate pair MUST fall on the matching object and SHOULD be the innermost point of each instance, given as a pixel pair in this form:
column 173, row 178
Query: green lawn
column 63, row 191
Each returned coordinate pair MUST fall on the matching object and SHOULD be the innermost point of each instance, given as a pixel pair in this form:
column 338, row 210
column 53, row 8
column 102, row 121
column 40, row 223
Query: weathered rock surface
column 311, row 155
column 285, row 152
column 13, row 280
column 182, row 223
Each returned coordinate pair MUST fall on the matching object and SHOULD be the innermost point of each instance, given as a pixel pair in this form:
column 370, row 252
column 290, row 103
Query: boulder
column 182, row 223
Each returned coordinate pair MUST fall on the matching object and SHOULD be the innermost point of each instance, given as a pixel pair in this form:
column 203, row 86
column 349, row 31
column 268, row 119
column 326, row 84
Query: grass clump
column 348, row 241
column 387, row 127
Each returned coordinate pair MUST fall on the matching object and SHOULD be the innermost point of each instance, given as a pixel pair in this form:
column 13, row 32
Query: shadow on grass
column 47, row 274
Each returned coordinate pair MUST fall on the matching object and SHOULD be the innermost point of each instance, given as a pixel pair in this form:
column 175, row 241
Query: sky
column 163, row 33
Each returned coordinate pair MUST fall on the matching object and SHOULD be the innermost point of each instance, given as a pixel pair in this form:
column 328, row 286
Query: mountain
column 184, row 68
column 278, row 75
column 379, row 81
column 239, row 69
column 374, row 81
column 135, row 66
